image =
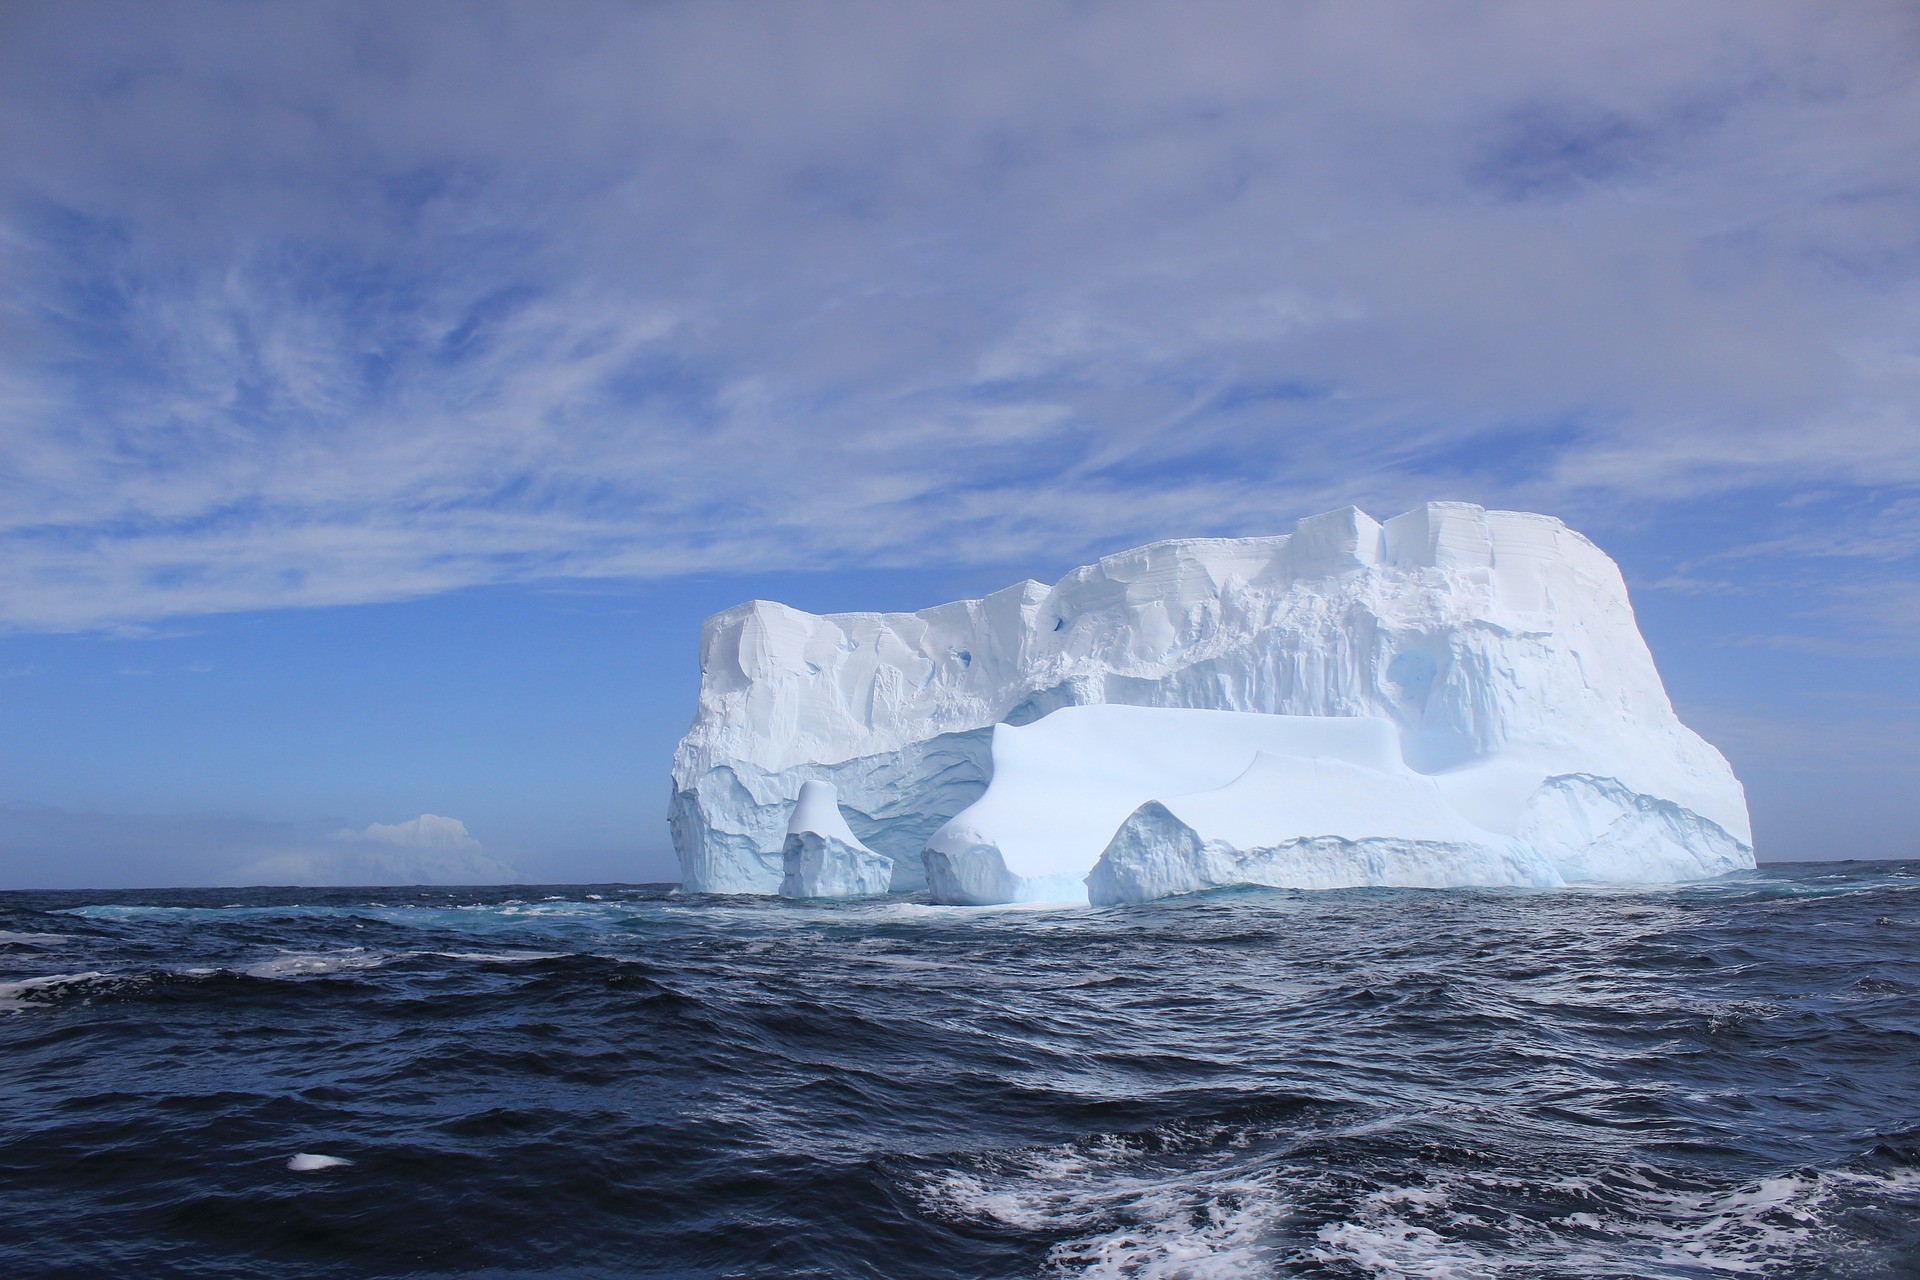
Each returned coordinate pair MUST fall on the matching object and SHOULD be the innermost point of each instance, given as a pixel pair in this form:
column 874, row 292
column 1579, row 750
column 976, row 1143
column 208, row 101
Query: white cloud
column 330, row 304
column 428, row 831
column 62, row 849
column 1837, row 580
column 428, row 849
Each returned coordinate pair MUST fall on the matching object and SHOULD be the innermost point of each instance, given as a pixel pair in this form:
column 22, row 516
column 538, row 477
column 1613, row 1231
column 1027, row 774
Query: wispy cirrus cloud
column 354, row 302
column 1840, row 579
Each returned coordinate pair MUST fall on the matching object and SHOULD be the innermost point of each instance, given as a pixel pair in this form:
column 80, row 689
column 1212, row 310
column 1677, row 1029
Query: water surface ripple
column 1718, row 1080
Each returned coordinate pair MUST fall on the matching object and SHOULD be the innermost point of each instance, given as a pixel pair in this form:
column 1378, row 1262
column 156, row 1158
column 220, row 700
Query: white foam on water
column 9, row 936
column 25, row 993
column 1754, row 1229
column 597, row 913
column 314, row 964
column 1751, row 1229
column 1132, row 1217
column 42, row 992
column 1011, row 913
column 1403, row 1252
column 308, row 1162
column 1202, row 1204
column 232, row 910
column 46, row 991
column 483, row 914
column 1176, row 1233
column 1383, row 1238
column 513, row 914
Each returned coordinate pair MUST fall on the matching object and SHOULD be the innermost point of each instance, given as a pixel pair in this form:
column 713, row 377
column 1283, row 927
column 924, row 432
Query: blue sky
column 387, row 392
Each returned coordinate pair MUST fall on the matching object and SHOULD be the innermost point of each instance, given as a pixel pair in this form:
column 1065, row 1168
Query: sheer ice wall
column 1475, row 632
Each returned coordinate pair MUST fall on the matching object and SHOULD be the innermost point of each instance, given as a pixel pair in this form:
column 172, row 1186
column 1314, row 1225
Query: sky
column 388, row 391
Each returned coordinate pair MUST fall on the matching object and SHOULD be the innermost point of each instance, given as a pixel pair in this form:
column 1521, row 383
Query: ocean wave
column 1628, row 1227
column 1708, row 1082
column 314, row 964
column 47, row 990
column 27, row 993
column 1210, row 1203
column 1122, row 1211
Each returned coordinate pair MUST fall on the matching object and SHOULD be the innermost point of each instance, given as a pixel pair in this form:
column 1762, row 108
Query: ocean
column 620, row 1081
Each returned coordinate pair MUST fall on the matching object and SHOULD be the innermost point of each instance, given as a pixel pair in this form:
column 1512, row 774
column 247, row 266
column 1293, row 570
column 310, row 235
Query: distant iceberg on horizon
column 1454, row 697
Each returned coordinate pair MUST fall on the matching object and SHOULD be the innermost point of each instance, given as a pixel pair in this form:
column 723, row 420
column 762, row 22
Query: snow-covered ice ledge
column 1497, row 650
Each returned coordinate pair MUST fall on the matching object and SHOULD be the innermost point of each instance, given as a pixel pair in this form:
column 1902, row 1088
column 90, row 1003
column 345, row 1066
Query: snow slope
column 1063, row 785
column 1492, row 639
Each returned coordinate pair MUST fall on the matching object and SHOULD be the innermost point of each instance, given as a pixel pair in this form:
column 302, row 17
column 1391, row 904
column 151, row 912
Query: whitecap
column 1130, row 1216
column 303, row 964
column 20, row 994
column 1222, row 1201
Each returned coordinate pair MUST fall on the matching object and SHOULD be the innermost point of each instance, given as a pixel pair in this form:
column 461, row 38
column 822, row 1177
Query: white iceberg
column 1499, row 648
column 822, row 858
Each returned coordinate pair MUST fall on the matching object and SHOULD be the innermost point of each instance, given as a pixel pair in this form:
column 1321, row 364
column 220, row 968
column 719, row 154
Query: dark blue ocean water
column 1720, row 1080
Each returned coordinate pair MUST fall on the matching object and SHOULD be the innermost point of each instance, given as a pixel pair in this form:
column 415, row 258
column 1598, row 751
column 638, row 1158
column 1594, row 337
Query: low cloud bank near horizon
column 52, row 848
column 340, row 303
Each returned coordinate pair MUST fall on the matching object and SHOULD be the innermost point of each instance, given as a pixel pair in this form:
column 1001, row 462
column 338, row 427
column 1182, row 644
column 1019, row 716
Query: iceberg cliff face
column 1498, row 647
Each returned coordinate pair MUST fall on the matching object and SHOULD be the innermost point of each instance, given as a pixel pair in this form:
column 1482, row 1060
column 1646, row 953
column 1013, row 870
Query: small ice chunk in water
column 307, row 1162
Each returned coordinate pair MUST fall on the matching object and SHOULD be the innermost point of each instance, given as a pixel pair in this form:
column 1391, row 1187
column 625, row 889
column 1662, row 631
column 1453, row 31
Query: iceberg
column 1475, row 676
column 821, row 857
